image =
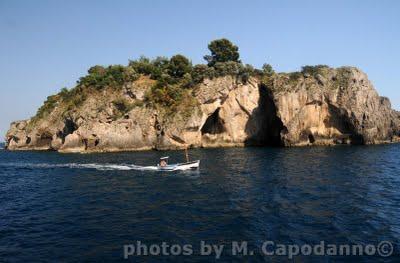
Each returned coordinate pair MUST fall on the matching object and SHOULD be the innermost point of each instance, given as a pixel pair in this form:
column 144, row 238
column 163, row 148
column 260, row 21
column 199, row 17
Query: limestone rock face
column 342, row 107
column 335, row 106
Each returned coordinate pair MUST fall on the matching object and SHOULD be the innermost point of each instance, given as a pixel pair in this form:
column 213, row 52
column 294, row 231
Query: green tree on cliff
column 179, row 65
column 222, row 50
column 267, row 70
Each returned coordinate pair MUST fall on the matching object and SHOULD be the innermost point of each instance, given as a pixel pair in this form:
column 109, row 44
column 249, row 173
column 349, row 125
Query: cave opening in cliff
column 69, row 127
column 213, row 124
column 344, row 124
column 44, row 139
column 264, row 127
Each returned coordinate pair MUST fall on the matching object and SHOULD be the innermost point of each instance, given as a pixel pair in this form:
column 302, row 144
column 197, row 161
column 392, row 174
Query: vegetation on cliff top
column 309, row 77
column 174, row 79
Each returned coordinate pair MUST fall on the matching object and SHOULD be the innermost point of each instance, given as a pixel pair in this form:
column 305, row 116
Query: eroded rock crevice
column 214, row 124
column 264, row 126
column 69, row 127
column 44, row 140
column 340, row 120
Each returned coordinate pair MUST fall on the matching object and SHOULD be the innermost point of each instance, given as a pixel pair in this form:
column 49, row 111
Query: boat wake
column 96, row 166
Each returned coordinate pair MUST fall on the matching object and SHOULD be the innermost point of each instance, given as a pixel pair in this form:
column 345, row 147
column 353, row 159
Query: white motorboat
column 163, row 165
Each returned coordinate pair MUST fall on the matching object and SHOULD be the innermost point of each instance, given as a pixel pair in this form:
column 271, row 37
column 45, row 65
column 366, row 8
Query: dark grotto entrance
column 214, row 124
column 264, row 126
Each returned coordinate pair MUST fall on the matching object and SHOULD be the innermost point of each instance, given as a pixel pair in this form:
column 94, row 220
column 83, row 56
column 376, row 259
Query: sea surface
column 86, row 207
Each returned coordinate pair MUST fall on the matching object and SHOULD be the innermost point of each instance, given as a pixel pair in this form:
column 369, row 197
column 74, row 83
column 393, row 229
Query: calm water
column 56, row 207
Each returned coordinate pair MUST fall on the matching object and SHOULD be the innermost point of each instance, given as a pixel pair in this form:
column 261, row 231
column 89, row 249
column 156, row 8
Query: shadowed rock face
column 327, row 111
column 339, row 107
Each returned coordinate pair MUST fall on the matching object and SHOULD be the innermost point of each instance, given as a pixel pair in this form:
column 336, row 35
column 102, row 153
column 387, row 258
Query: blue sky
column 47, row 45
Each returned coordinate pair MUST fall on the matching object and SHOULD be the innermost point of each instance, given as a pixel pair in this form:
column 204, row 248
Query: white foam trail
column 96, row 166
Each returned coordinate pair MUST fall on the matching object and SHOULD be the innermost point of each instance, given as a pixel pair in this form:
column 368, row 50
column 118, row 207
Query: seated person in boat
column 163, row 161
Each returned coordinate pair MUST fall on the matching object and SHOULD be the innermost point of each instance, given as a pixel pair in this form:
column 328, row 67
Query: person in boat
column 163, row 161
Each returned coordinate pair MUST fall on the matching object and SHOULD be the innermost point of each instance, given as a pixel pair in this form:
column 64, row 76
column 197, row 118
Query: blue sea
column 96, row 207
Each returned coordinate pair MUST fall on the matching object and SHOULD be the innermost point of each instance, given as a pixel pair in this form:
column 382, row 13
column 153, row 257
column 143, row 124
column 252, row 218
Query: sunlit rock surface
column 339, row 106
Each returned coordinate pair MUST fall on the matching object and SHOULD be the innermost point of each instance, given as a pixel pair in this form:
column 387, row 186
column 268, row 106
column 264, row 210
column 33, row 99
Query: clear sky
column 47, row 45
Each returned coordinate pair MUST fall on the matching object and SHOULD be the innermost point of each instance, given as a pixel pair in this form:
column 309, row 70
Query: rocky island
column 170, row 104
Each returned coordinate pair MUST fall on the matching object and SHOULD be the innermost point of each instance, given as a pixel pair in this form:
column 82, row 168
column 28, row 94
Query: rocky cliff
column 327, row 107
